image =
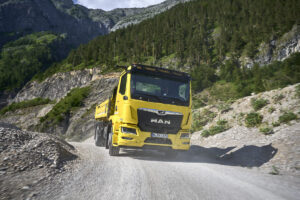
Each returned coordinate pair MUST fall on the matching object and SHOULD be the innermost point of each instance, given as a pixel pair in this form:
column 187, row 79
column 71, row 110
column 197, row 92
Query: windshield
column 160, row 89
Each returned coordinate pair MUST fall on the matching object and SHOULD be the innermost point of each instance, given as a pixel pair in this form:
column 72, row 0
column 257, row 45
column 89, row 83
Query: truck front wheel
column 113, row 151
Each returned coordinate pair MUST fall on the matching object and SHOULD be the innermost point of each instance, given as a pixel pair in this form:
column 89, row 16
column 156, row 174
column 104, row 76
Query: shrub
column 271, row 109
column 72, row 101
column 197, row 103
column 205, row 133
column 298, row 90
column 278, row 98
column 25, row 104
column 253, row 119
column 222, row 122
column 201, row 119
column 224, row 107
column 275, row 124
column 287, row 116
column 222, row 125
column 196, row 126
column 266, row 130
column 257, row 104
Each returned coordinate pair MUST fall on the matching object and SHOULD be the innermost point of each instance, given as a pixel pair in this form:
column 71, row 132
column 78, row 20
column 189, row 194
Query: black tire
column 108, row 130
column 113, row 151
column 99, row 140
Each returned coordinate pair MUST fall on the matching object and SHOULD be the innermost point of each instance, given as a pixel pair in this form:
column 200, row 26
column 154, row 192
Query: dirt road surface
column 150, row 175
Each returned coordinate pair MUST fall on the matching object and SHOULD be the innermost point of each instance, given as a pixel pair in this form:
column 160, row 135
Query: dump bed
column 103, row 111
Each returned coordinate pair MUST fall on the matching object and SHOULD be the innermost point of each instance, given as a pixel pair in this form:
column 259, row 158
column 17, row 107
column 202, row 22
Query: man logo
column 160, row 121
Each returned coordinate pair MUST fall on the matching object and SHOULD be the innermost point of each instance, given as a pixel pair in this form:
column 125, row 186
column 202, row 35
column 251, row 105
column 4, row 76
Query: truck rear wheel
column 113, row 151
column 99, row 139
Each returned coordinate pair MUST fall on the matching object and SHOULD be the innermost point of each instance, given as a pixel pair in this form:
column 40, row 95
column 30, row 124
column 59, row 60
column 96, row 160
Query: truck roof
column 156, row 71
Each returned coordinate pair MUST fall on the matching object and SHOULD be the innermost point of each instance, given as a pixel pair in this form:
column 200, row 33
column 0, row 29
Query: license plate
column 159, row 135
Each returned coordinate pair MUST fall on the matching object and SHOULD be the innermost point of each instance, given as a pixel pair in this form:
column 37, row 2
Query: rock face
column 64, row 17
column 80, row 123
column 57, row 86
column 146, row 13
column 276, row 50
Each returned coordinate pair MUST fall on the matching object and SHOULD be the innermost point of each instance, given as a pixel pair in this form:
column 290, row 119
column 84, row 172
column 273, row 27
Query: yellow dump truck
column 149, row 108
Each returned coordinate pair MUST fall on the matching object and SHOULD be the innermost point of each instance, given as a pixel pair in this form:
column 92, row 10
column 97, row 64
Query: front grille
column 158, row 140
column 155, row 122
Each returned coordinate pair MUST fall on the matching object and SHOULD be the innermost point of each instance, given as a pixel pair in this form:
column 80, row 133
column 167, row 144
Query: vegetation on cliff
column 65, row 106
column 25, row 104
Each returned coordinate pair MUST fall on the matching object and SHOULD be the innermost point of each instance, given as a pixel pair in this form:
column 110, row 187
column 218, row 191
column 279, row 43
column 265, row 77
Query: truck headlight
column 185, row 135
column 128, row 130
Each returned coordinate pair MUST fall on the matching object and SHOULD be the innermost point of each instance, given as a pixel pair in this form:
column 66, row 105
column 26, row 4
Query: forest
column 205, row 38
column 27, row 56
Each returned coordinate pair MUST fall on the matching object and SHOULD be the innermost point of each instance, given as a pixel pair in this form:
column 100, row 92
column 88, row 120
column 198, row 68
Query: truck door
column 121, row 95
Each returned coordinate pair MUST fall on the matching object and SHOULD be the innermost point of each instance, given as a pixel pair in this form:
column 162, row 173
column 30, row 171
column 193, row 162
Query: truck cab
column 150, row 108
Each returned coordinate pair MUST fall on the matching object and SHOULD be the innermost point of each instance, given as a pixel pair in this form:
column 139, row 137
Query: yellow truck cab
column 150, row 108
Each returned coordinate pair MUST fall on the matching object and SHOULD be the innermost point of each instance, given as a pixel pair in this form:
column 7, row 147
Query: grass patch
column 222, row 125
column 25, row 104
column 253, row 119
column 266, row 130
column 278, row 98
column 275, row 124
column 258, row 104
column 287, row 117
column 271, row 109
column 201, row 119
column 298, row 91
column 224, row 107
column 197, row 103
column 71, row 102
column 274, row 171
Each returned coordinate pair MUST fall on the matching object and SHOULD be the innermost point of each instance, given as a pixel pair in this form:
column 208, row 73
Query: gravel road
column 149, row 175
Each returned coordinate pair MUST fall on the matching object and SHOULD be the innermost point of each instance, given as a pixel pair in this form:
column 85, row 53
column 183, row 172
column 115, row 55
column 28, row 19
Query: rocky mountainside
column 255, row 129
column 145, row 13
column 275, row 50
column 63, row 16
column 80, row 123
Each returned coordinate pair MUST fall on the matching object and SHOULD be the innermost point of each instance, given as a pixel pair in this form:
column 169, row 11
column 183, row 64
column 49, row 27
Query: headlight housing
column 128, row 130
column 185, row 135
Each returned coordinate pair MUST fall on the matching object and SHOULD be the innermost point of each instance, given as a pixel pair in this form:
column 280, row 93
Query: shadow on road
column 246, row 156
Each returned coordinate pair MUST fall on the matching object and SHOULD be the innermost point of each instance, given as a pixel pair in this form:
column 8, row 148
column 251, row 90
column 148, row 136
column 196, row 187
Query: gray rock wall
column 276, row 50
column 56, row 86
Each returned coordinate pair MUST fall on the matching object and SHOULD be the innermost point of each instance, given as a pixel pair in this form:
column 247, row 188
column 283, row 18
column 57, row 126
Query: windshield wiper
column 176, row 99
column 147, row 95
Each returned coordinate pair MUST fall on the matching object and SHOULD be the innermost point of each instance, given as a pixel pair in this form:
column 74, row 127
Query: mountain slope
column 202, row 37
column 63, row 16
column 198, row 32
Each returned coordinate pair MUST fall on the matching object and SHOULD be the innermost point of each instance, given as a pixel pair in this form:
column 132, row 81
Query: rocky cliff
column 80, row 123
column 276, row 49
column 146, row 13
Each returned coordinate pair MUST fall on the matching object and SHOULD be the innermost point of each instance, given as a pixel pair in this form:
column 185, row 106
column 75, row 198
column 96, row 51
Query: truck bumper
column 143, row 139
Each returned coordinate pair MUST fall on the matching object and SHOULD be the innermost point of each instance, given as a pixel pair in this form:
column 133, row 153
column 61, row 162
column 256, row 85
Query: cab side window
column 123, row 84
